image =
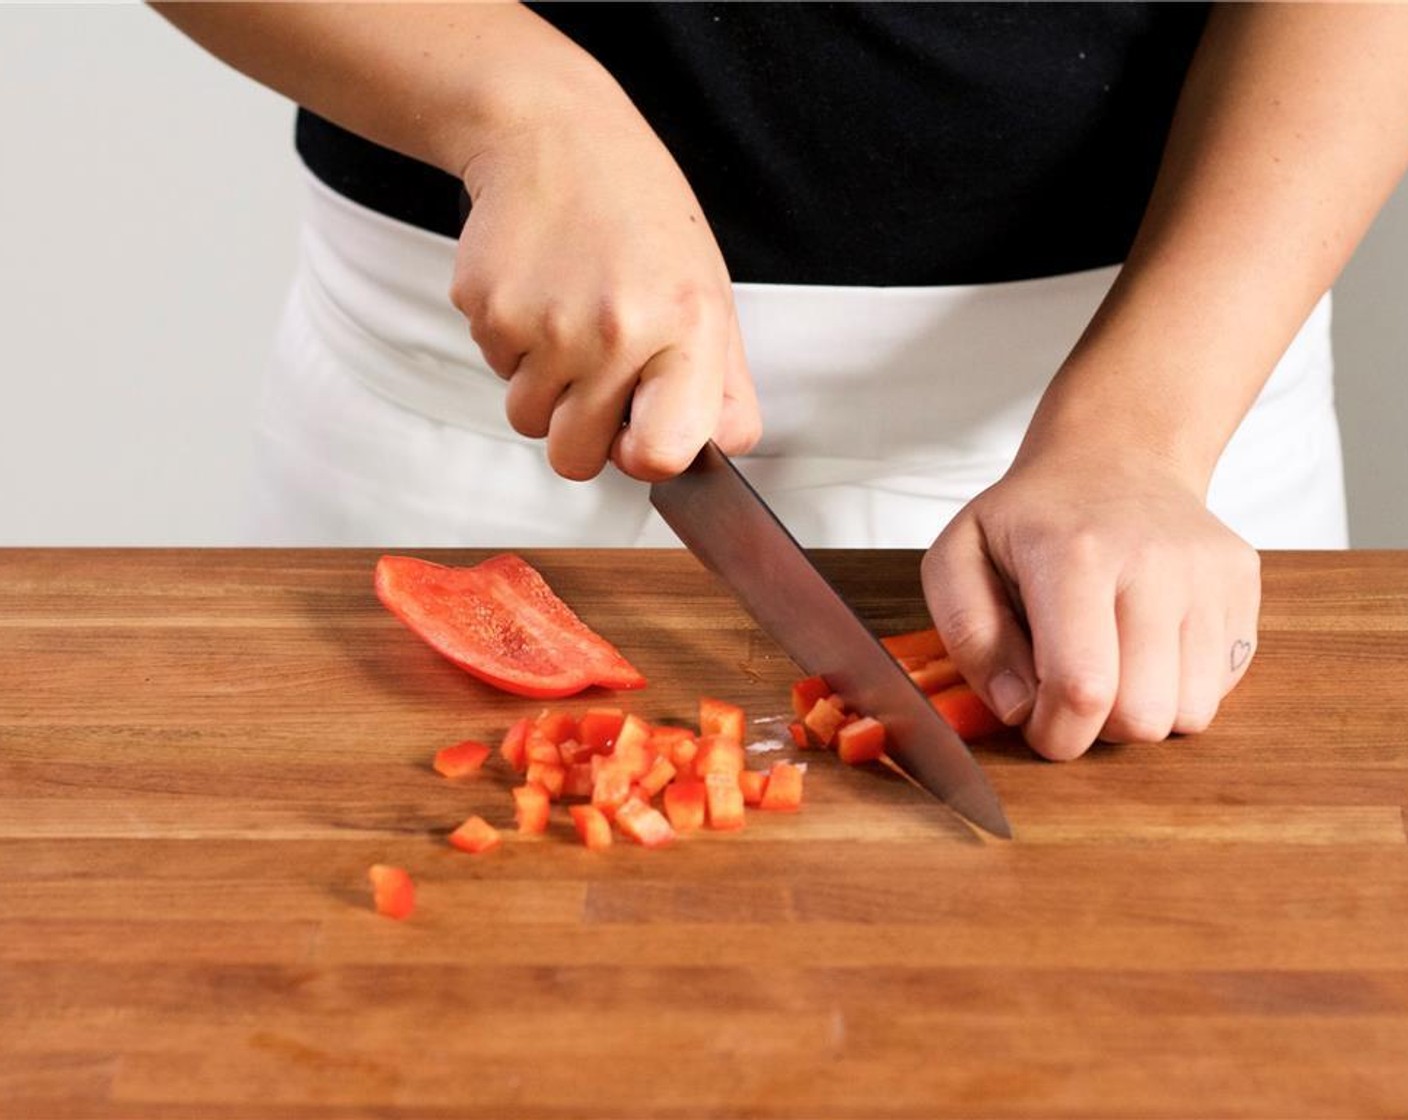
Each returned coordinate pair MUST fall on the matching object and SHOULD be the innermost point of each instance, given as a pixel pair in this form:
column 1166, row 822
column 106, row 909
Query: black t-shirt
column 869, row 144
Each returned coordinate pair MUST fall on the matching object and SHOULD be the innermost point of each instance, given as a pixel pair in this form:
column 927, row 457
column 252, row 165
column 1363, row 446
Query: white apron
column 884, row 411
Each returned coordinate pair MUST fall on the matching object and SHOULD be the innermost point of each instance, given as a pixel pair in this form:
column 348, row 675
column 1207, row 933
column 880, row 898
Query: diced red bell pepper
column 611, row 788
column 632, row 749
column 784, row 788
column 598, row 728
column 718, row 717
column 719, row 754
column 825, row 718
column 685, row 804
column 578, row 780
column 500, row 621
column 966, row 713
column 393, row 892
column 556, row 725
column 532, row 805
column 542, row 750
column 573, row 752
column 683, row 752
column 592, row 826
column 476, row 835
column 724, row 800
column 661, row 774
column 644, row 824
column 514, row 748
column 752, row 783
column 806, row 692
column 915, row 643
column 461, row 759
column 551, row 777
column 861, row 741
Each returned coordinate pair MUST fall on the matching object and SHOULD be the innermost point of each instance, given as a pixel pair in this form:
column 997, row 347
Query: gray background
column 148, row 211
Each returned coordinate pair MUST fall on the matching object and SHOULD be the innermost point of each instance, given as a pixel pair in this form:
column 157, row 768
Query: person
column 1041, row 288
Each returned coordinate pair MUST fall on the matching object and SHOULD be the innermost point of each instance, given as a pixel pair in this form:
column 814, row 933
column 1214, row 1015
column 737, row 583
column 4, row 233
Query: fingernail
column 1010, row 695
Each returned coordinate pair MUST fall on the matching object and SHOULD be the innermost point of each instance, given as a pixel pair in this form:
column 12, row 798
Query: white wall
column 148, row 202
column 147, row 215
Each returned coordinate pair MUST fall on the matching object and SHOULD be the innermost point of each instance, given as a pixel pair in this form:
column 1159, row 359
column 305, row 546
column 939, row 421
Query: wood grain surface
column 201, row 752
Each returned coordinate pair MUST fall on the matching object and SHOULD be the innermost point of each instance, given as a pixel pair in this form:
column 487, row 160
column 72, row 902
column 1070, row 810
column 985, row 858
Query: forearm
column 1291, row 131
column 433, row 81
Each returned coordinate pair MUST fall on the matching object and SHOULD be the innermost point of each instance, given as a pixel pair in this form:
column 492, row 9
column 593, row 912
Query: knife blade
column 723, row 521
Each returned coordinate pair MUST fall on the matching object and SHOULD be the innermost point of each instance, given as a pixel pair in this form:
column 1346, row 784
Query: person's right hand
column 593, row 285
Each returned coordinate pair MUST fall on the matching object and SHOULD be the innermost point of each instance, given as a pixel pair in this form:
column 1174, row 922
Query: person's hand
column 1091, row 596
column 594, row 286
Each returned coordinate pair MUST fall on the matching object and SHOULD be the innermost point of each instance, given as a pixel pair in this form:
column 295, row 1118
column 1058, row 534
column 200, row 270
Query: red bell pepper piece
column 724, row 800
column 592, row 826
column 825, row 718
column 514, row 747
column 551, row 777
column 460, row 760
column 718, row 717
column 645, row 825
column 393, row 892
column 532, row 804
column 806, row 692
column 599, row 727
column 661, row 774
column 476, row 835
column 784, row 789
column 935, row 674
column 752, row 783
column 719, row 754
column 500, row 621
column 924, row 643
column 861, row 741
column 578, row 781
column 966, row 713
column 685, row 804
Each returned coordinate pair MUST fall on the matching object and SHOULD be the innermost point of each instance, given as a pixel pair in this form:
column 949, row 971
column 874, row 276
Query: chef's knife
column 722, row 520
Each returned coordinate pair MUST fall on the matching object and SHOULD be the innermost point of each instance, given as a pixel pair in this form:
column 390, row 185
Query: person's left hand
column 1093, row 595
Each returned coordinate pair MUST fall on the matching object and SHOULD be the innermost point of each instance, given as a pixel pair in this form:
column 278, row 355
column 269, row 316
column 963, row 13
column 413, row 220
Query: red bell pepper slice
column 966, row 713
column 393, row 893
column 500, row 621
column 924, row 643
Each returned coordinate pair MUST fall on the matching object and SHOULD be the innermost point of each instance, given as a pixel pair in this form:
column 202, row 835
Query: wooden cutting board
column 202, row 751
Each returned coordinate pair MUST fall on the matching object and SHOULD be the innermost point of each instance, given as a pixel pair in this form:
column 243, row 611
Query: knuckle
column 967, row 633
column 1085, row 695
column 555, row 325
column 656, row 459
column 1138, row 726
column 618, row 325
